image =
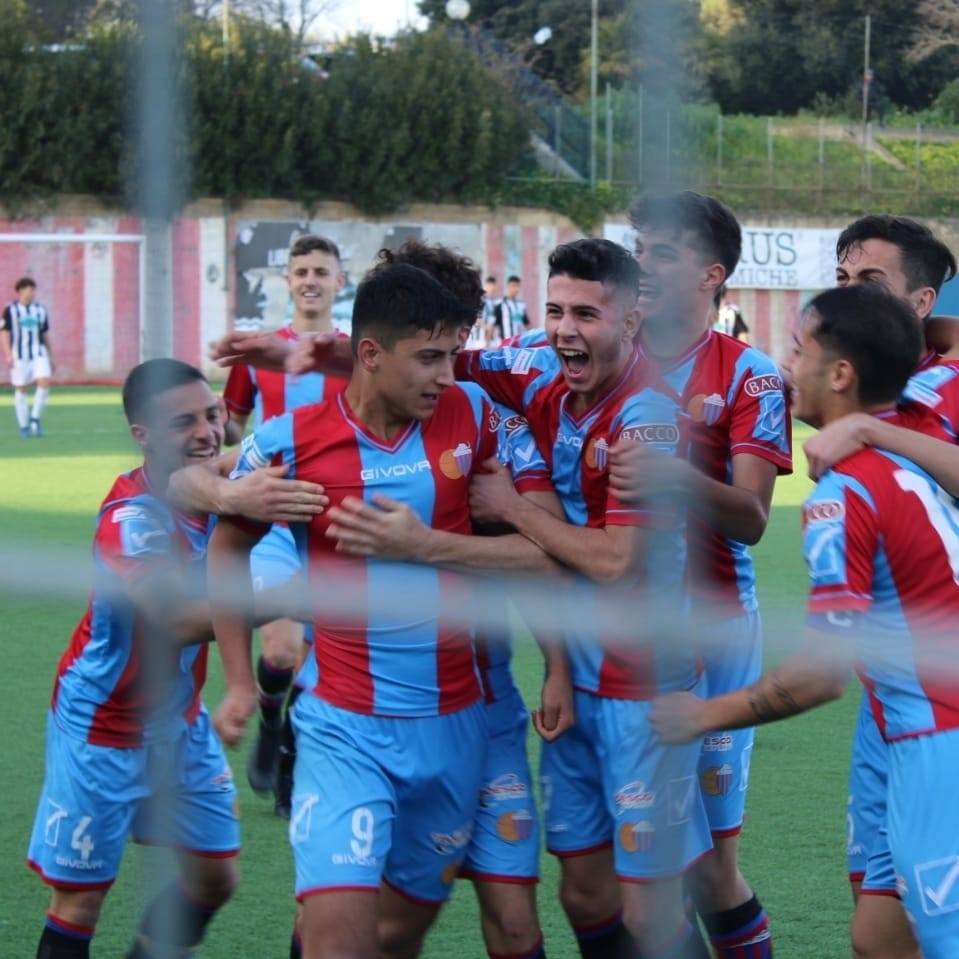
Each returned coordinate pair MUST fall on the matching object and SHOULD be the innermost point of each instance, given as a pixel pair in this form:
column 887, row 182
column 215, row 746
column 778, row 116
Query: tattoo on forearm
column 778, row 703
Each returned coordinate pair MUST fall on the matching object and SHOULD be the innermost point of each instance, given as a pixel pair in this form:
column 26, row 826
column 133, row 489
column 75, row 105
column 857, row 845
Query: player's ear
column 340, row 281
column 923, row 301
column 368, row 353
column 714, row 276
column 842, row 376
column 139, row 434
column 631, row 324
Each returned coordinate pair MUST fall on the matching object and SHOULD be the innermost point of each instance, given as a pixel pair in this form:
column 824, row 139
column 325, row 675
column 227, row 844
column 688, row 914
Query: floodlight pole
column 866, row 82
column 593, row 88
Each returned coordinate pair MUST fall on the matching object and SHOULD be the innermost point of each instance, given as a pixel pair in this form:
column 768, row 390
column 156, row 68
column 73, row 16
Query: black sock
column 287, row 757
column 609, row 940
column 273, row 684
column 732, row 931
column 296, row 947
column 173, row 919
column 62, row 940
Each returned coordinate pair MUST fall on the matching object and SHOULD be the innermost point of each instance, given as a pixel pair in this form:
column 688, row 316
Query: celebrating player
column 905, row 258
column 610, row 786
column 687, row 246
column 879, row 540
column 27, row 350
column 119, row 715
column 391, row 741
column 314, row 277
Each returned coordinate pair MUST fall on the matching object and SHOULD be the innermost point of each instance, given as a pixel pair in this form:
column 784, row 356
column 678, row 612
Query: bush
column 947, row 103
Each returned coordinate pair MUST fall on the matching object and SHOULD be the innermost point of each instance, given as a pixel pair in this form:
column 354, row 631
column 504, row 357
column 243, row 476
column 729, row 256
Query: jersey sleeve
column 517, row 449
column 270, row 445
column 937, row 389
column 239, row 394
column 652, row 418
column 45, row 322
column 840, row 537
column 6, row 321
column 133, row 538
column 510, row 376
column 760, row 423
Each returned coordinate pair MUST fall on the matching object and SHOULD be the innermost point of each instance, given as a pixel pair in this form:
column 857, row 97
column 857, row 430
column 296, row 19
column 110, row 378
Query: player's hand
column 387, row 528
column 679, row 718
column 267, row 496
column 231, row 717
column 556, row 713
column 312, row 353
column 638, row 471
column 492, row 493
column 835, row 442
column 262, row 350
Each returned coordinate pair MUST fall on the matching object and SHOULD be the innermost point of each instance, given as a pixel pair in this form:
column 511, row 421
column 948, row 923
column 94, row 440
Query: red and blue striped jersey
column 736, row 403
column 269, row 393
column 379, row 661
column 881, row 541
column 102, row 692
column 935, row 385
column 576, row 449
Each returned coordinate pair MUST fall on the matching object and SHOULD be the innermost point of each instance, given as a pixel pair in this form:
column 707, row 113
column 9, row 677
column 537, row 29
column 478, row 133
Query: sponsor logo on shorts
column 515, row 826
column 655, row 433
column 938, row 885
column 717, row 780
column 349, row 859
column 718, row 744
column 597, row 454
column 824, row 511
column 759, row 385
column 634, row 795
column 223, row 781
column 505, row 787
column 455, row 464
column 302, row 816
column 637, row 836
column 680, row 794
column 445, row 843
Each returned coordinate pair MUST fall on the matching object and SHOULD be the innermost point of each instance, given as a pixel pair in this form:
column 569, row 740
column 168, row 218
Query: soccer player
column 904, row 257
column 687, row 246
column 107, row 734
column 609, row 786
column 879, row 540
column 314, row 277
column 509, row 314
column 27, row 349
column 391, row 740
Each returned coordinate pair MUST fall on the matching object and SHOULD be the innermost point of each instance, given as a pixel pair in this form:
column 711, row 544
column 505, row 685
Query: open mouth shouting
column 575, row 363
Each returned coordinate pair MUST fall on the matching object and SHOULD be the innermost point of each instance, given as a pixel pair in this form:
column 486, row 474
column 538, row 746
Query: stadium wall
column 228, row 265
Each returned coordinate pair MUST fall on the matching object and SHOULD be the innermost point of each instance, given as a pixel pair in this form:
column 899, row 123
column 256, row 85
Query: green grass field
column 793, row 844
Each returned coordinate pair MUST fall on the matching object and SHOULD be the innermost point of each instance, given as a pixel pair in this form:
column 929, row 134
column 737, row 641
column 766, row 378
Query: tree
column 296, row 17
column 55, row 20
column 938, row 28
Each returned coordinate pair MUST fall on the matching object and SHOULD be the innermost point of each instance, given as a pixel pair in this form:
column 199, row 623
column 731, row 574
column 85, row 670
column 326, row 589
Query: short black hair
column 596, row 259
column 712, row 223
column 150, row 379
column 926, row 260
column 876, row 331
column 24, row 282
column 310, row 242
column 393, row 301
column 513, row 278
column 453, row 271
column 490, row 279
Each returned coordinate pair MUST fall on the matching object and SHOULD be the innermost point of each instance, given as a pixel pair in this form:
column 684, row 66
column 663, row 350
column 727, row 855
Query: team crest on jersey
column 597, row 454
column 637, row 836
column 706, row 409
column 823, row 511
column 515, row 826
column 455, row 464
column 717, row 780
column 760, row 385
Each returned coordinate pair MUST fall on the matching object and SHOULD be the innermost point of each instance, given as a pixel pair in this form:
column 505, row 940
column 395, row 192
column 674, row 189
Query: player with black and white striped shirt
column 25, row 341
